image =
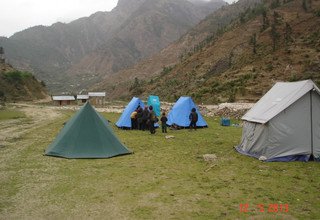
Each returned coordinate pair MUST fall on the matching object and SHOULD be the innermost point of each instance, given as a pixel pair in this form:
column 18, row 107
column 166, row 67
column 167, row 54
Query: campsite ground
column 163, row 179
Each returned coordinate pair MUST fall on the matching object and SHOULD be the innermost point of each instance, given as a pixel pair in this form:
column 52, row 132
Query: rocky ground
column 229, row 110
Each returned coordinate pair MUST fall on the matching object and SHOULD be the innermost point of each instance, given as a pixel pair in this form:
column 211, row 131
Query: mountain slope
column 119, row 84
column 84, row 50
column 19, row 86
column 223, row 66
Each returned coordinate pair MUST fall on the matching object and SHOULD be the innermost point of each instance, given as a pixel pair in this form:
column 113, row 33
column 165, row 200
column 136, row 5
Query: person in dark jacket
column 164, row 120
column 139, row 118
column 152, row 120
column 145, row 118
column 193, row 117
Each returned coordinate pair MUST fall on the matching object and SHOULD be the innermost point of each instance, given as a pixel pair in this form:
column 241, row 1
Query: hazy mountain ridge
column 119, row 84
column 222, row 66
column 83, row 51
column 149, row 29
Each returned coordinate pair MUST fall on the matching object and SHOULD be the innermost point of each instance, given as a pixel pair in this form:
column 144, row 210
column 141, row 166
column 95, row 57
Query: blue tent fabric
column 125, row 120
column 180, row 112
column 154, row 101
column 302, row 158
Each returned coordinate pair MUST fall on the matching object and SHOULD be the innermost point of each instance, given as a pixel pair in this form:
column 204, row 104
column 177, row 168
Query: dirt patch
column 36, row 116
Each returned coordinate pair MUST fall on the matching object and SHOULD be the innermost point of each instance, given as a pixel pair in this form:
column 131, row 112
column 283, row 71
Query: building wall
column 97, row 101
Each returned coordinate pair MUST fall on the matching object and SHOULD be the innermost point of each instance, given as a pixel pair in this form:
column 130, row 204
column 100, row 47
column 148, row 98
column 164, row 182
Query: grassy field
column 163, row 179
column 6, row 114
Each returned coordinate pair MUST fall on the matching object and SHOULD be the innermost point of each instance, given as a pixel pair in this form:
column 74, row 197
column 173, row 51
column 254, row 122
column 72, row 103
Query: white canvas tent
column 284, row 125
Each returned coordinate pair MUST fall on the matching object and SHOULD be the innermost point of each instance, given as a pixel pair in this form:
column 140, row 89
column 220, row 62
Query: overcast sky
column 17, row 15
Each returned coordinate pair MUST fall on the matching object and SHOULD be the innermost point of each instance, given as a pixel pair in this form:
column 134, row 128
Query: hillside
column 221, row 64
column 74, row 55
column 19, row 86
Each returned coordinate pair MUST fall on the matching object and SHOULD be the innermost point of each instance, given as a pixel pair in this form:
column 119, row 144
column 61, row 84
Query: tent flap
column 154, row 101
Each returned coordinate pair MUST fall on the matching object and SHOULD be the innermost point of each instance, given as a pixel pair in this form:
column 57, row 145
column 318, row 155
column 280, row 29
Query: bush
column 293, row 78
column 166, row 70
column 232, row 95
column 269, row 67
column 17, row 75
column 43, row 83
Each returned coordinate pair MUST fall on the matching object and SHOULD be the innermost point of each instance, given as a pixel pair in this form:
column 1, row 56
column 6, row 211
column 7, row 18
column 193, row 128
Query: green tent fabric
column 86, row 135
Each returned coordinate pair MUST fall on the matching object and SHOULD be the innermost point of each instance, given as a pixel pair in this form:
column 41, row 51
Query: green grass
column 11, row 114
column 163, row 179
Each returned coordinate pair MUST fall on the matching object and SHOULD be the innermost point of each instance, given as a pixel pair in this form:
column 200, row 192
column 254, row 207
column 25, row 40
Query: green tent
column 86, row 135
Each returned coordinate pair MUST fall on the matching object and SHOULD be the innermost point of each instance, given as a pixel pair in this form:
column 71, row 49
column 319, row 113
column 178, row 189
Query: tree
column 242, row 18
column 265, row 20
column 136, row 87
column 276, row 17
column 287, row 34
column 274, row 36
column 304, row 5
column 275, row 4
column 253, row 42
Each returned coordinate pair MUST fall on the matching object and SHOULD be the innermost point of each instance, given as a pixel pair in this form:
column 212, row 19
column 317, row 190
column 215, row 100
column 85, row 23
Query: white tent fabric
column 285, row 124
column 280, row 97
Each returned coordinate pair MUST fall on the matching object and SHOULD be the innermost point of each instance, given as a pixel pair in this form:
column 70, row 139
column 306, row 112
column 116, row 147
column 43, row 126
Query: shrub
column 17, row 75
column 43, row 83
column 269, row 67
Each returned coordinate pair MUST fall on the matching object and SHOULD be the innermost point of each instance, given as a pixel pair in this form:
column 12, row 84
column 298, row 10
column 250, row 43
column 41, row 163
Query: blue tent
column 125, row 120
column 180, row 112
column 154, row 101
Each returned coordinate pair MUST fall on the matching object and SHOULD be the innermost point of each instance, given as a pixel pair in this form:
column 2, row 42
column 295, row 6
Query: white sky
column 17, row 15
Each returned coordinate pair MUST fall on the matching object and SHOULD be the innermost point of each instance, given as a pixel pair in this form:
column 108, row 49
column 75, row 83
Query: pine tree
column 304, row 5
column 265, row 20
column 287, row 34
column 274, row 36
column 253, row 42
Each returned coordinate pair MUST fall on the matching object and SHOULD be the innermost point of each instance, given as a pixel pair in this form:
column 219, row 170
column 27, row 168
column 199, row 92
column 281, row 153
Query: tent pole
column 311, row 119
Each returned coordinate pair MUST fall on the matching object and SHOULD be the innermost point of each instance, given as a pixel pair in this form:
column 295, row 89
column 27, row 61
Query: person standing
column 152, row 120
column 133, row 116
column 164, row 120
column 193, row 117
column 139, row 118
column 145, row 118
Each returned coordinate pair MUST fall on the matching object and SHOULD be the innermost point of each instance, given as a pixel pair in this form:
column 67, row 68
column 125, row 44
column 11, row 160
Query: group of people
column 145, row 118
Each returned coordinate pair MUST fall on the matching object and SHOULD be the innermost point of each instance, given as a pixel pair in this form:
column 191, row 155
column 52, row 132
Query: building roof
column 82, row 96
column 63, row 98
column 97, row 94
column 277, row 99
